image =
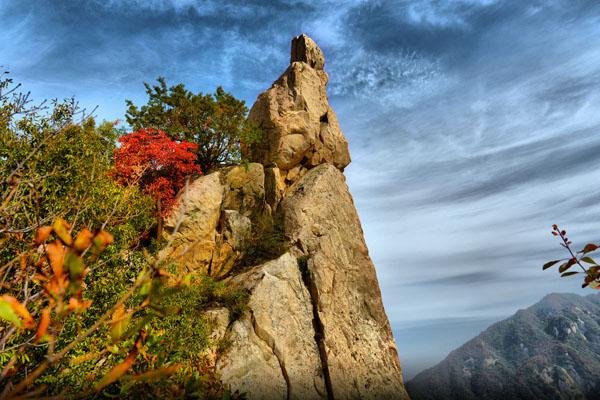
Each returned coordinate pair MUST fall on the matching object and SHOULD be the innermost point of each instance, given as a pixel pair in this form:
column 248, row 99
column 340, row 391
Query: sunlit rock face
column 300, row 128
column 314, row 326
column 550, row 350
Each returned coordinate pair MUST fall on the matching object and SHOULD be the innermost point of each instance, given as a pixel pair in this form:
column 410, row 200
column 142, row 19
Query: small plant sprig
column 592, row 272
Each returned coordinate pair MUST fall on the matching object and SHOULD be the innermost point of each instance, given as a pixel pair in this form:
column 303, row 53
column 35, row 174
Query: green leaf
column 549, row 264
column 569, row 273
column 145, row 289
column 75, row 265
column 7, row 313
column 61, row 228
column 588, row 260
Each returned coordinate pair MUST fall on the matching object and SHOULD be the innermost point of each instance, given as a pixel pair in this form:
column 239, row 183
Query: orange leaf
column 56, row 254
column 23, row 261
column 61, row 228
column 118, row 371
column 42, row 234
column 83, row 239
column 590, row 247
column 78, row 306
column 43, row 325
column 103, row 239
column 56, row 286
column 20, row 310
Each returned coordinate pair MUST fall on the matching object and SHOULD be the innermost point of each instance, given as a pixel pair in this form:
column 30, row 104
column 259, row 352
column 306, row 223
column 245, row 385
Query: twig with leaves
column 581, row 257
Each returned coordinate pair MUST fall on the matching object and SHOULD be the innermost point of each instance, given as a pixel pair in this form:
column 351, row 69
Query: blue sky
column 473, row 125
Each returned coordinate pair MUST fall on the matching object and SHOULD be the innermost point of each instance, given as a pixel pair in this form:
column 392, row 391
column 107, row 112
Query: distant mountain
column 550, row 350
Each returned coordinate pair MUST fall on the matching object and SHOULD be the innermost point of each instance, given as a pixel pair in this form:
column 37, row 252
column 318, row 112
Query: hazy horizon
column 472, row 125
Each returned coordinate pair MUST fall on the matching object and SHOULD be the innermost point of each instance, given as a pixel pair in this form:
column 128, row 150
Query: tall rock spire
column 285, row 229
column 300, row 128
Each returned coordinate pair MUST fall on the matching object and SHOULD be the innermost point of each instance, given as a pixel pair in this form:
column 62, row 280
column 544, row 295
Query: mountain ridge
column 550, row 350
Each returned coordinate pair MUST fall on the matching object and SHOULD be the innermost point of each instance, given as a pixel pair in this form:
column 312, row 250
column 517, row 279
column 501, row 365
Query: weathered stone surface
column 304, row 49
column 218, row 318
column 273, row 354
column 233, row 235
column 299, row 126
column 236, row 229
column 197, row 211
column 321, row 220
column 274, row 186
column 245, row 188
column 213, row 219
column 315, row 326
column 253, row 369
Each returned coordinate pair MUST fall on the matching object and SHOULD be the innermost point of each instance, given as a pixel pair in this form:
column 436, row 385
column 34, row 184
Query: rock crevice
column 317, row 323
column 270, row 341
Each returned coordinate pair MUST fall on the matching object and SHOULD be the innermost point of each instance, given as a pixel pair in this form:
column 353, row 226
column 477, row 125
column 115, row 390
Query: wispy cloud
column 473, row 124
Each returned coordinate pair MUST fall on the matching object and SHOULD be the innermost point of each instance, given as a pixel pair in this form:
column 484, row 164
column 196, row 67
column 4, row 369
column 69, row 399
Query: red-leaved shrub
column 156, row 163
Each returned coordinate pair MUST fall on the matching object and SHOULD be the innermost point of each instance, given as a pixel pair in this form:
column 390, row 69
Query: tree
column 83, row 312
column 55, row 162
column 591, row 269
column 215, row 122
column 157, row 164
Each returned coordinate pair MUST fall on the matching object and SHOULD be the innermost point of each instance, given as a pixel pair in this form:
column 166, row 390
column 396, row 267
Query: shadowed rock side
column 550, row 350
column 285, row 229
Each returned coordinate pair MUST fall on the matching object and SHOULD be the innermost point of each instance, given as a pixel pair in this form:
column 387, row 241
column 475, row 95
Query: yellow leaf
column 78, row 306
column 101, row 240
column 8, row 314
column 119, row 321
column 83, row 240
column 118, row 371
column 84, row 358
column 19, row 309
column 61, row 228
column 157, row 373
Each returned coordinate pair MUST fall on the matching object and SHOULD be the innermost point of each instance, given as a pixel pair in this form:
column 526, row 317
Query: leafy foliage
column 156, row 163
column 80, row 309
column 52, row 165
column 84, row 312
column 215, row 122
column 591, row 269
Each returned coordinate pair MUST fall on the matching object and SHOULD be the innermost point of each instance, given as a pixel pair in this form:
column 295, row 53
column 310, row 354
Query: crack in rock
column 318, row 327
column 268, row 339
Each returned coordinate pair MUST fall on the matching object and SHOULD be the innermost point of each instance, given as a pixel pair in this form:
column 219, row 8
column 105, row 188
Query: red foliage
column 155, row 162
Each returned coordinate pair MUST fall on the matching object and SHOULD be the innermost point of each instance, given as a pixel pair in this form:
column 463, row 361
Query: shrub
column 215, row 122
column 157, row 164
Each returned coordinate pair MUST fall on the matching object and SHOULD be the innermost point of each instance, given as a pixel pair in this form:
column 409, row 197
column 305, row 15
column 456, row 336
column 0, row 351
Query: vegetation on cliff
column 88, row 308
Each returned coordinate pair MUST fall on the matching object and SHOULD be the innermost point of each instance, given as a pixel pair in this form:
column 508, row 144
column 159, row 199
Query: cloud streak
column 473, row 124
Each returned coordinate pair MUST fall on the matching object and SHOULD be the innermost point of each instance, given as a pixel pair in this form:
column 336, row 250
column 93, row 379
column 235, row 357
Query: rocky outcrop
column 550, row 350
column 300, row 129
column 210, row 228
column 273, row 354
column 321, row 221
column 315, row 326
